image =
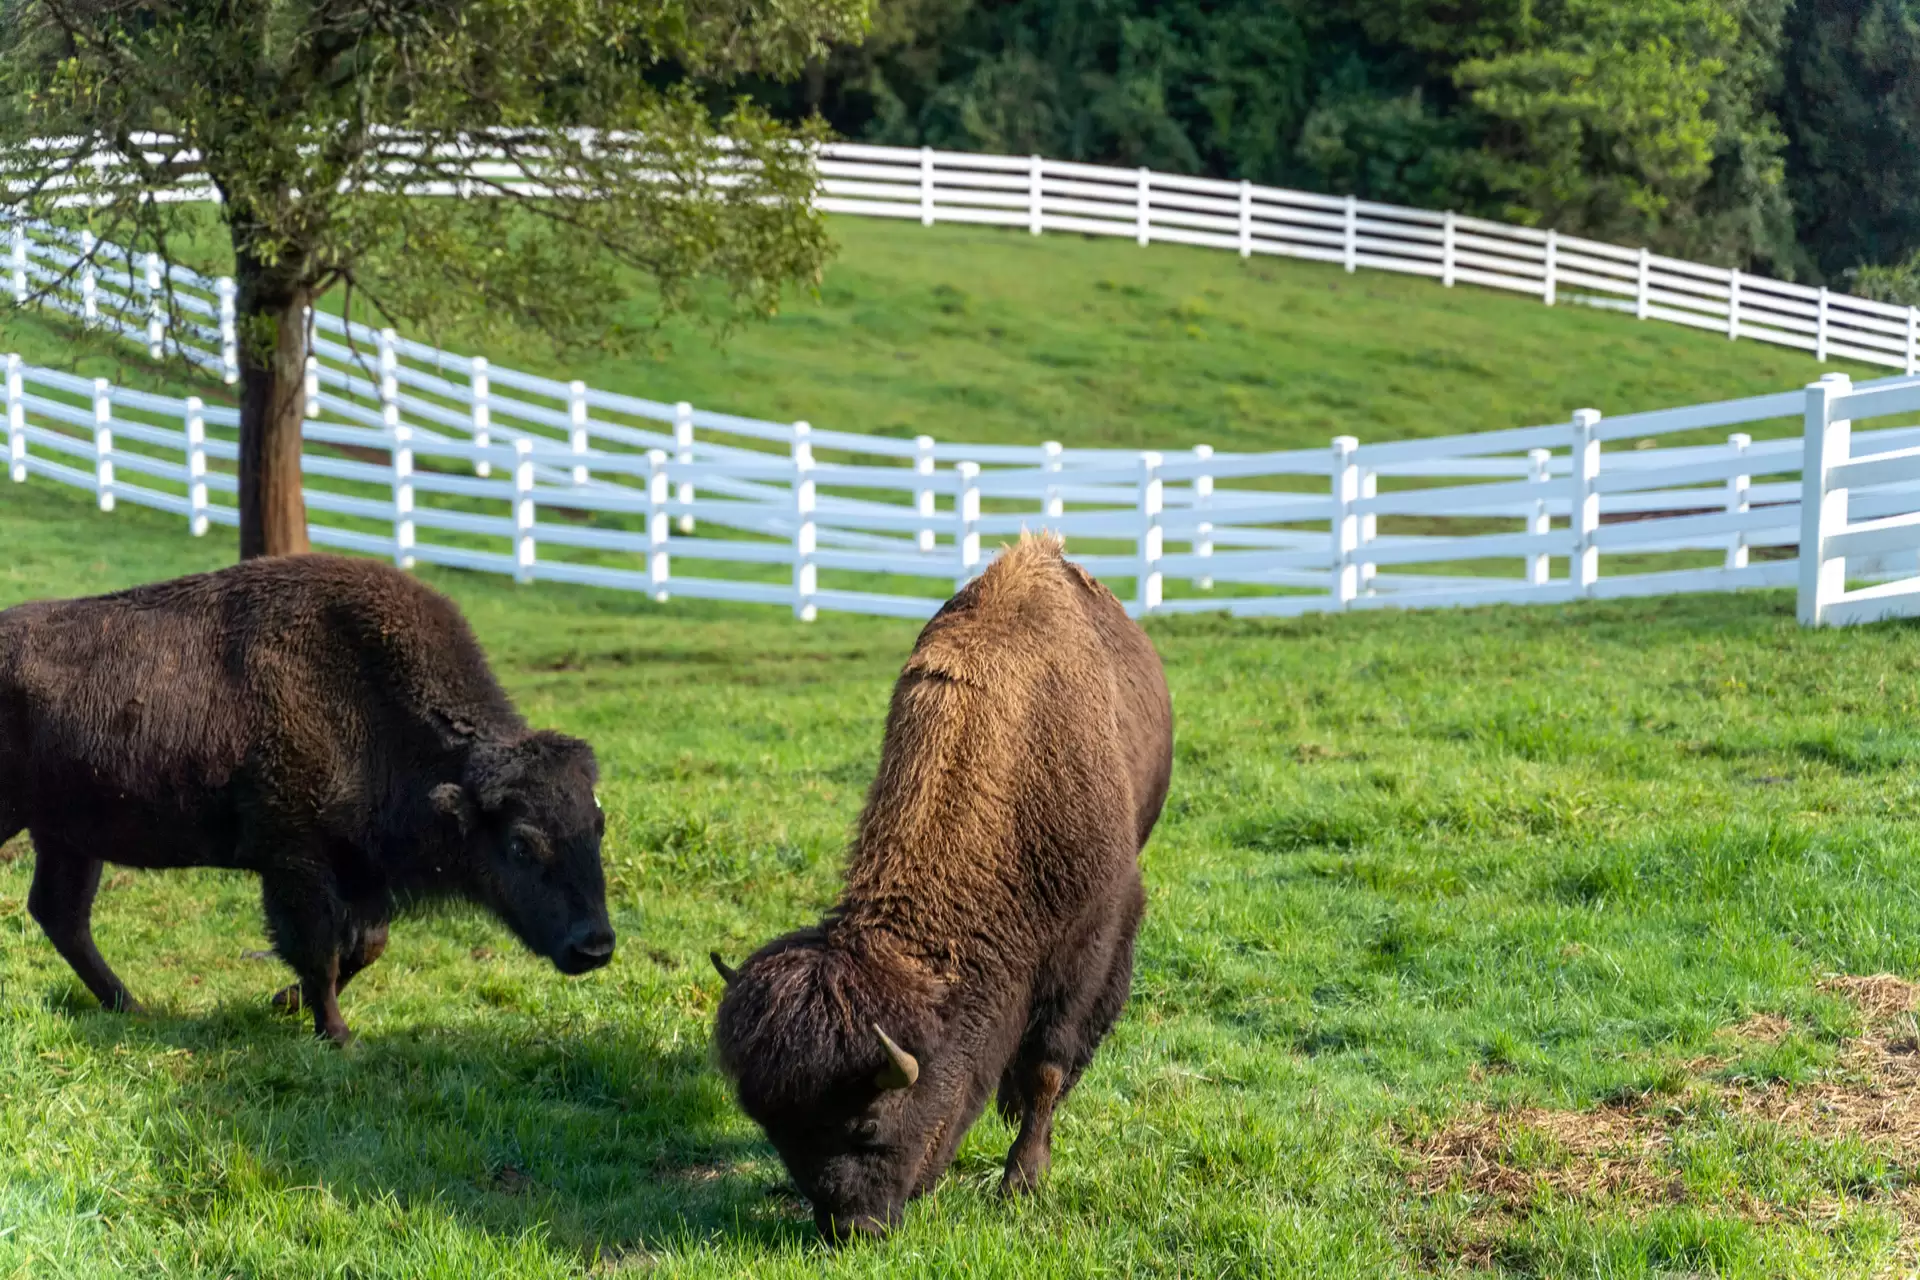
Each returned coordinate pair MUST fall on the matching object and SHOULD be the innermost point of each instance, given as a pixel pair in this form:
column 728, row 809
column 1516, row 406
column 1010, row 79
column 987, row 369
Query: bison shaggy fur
column 983, row 941
column 329, row 724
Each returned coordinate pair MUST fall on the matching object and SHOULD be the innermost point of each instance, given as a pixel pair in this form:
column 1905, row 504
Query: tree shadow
column 595, row 1138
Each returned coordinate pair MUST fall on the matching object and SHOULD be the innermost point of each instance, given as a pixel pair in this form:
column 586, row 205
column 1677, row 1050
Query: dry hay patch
column 1623, row 1155
column 1512, row 1157
column 1873, row 1093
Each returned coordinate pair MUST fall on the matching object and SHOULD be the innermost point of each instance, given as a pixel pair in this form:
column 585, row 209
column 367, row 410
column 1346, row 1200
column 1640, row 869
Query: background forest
column 1777, row 135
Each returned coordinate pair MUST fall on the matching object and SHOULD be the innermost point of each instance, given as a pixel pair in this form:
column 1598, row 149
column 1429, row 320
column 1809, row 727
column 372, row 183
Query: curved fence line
column 425, row 455
column 1253, row 534
column 1150, row 207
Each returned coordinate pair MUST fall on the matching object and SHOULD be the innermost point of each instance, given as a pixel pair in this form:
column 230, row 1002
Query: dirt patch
column 1623, row 1155
column 13, row 850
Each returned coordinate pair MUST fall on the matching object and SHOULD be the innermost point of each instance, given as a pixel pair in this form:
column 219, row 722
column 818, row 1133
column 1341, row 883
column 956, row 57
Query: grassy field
column 1530, row 940
column 996, row 336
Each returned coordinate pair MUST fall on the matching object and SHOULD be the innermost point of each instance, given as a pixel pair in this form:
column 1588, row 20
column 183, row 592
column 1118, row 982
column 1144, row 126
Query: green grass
column 997, row 336
column 1411, row 866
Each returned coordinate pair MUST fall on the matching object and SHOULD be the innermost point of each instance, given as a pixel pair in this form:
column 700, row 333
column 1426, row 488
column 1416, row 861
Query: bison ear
column 450, row 800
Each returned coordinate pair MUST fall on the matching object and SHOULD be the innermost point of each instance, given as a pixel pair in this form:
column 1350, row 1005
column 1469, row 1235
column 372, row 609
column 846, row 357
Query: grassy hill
column 1533, row 940
column 975, row 334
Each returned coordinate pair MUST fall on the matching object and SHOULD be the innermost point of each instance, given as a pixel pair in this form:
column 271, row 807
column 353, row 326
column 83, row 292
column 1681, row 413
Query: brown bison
column 985, row 934
column 330, row 724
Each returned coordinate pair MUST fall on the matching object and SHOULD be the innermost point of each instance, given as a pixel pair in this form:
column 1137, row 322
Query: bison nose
column 587, row 950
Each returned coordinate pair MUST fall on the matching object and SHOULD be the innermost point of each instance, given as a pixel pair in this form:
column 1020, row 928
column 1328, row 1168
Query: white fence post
column 806, row 534
column 388, row 363
column 19, row 262
column 1246, row 219
column 1823, row 511
column 923, row 490
column 229, row 332
column 524, row 550
column 1203, row 506
column 1640, row 286
column 103, row 442
column 1369, row 530
column 89, row 280
column 1540, row 523
column 1913, row 346
column 1547, row 288
column 389, row 368
column 16, row 421
column 156, row 308
column 1352, row 235
column 659, row 525
column 1733, row 304
column 1147, row 580
column 578, row 435
column 966, row 525
column 1584, row 567
column 1820, row 328
column 1446, row 250
column 311, row 384
column 683, row 456
column 402, row 452
column 1053, row 504
column 480, row 393
column 1036, row 193
column 1737, row 487
column 1142, row 207
column 926, row 186
column 1344, row 530
column 196, row 424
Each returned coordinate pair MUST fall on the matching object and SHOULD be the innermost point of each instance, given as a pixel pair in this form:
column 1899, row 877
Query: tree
column 1649, row 121
column 321, row 123
column 1851, row 108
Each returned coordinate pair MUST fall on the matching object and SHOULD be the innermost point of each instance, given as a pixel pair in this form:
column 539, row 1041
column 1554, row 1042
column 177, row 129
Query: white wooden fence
column 1253, row 534
column 1149, row 207
column 427, row 456
column 1164, row 208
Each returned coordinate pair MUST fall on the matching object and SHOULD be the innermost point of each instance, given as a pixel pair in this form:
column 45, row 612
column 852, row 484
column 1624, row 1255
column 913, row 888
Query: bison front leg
column 1033, row 1150
column 369, row 944
column 303, row 917
column 61, row 900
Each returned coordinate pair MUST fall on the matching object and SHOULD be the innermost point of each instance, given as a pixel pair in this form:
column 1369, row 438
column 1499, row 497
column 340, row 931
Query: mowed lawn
column 998, row 336
column 1524, row 939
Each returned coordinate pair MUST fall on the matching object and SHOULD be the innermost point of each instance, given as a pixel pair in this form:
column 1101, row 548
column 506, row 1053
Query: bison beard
column 984, row 940
column 329, row 724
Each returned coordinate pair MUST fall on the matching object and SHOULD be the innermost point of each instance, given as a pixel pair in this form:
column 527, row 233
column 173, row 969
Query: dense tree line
column 1782, row 135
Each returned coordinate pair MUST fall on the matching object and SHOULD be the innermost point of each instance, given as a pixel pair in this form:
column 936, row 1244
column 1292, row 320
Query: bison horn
column 727, row 973
column 902, row 1068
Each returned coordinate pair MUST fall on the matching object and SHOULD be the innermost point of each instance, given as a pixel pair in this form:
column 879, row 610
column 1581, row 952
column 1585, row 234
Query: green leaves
column 324, row 122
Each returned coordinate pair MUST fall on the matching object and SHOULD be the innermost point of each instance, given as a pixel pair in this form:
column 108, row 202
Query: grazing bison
column 985, row 934
column 330, row 724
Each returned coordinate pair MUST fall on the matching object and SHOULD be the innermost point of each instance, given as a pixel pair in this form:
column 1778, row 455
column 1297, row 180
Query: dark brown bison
column 985, row 934
column 328, row 723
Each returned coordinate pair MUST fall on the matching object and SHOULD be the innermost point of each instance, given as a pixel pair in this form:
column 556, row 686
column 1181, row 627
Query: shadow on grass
column 595, row 1139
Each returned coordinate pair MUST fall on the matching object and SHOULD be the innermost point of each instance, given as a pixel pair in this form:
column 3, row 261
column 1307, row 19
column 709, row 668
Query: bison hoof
column 287, row 999
column 1022, row 1177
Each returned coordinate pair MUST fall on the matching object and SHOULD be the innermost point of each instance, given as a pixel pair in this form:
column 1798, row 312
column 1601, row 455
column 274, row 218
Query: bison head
column 824, row 1047
column 531, row 827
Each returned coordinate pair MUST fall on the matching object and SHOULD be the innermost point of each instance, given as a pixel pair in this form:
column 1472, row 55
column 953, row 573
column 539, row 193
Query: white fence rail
column 1527, row 515
column 1149, row 207
column 427, row 456
column 1246, row 218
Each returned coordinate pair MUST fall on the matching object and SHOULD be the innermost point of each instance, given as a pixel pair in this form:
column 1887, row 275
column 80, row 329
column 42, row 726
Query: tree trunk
column 273, row 405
